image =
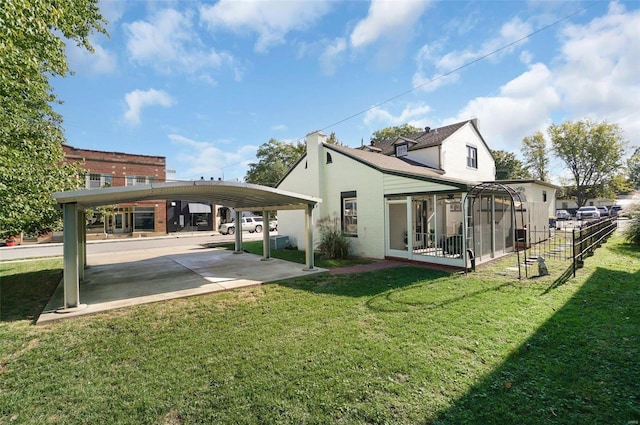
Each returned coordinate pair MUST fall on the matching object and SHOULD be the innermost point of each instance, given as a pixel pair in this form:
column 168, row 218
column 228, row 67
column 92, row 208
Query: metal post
column 308, row 222
column 71, row 283
column 266, row 247
column 573, row 250
column 238, row 233
column 81, row 244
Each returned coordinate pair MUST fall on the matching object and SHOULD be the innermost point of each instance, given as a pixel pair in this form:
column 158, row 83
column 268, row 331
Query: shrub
column 333, row 243
column 632, row 231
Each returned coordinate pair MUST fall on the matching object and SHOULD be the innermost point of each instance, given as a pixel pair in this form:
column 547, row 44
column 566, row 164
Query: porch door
column 117, row 222
column 397, row 229
column 483, row 227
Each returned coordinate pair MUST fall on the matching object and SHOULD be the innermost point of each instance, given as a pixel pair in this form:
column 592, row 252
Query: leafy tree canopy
column 274, row 160
column 633, row 165
column 393, row 132
column 534, row 150
column 592, row 153
column 508, row 167
column 32, row 50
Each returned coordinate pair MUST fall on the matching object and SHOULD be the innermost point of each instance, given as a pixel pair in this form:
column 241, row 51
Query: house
column 423, row 197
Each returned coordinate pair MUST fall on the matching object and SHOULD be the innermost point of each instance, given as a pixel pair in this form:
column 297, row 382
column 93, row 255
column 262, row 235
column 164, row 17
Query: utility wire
column 465, row 65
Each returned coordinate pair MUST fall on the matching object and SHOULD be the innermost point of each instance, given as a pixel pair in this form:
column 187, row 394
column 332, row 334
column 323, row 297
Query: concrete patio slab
column 122, row 279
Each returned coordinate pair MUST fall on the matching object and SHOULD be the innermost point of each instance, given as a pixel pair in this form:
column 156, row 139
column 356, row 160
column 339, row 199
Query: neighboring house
column 405, row 198
column 539, row 206
column 571, row 205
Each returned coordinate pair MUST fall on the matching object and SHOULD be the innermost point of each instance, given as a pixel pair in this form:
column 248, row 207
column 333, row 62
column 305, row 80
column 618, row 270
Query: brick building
column 107, row 169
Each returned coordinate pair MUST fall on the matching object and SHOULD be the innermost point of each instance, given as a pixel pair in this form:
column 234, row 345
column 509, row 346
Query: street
column 119, row 245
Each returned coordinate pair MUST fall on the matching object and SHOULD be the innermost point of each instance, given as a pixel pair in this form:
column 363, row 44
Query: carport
column 240, row 196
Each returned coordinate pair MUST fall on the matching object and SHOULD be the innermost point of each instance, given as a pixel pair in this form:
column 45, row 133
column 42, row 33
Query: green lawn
column 294, row 255
column 399, row 346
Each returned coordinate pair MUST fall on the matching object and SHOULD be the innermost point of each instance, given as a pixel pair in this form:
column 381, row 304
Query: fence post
column 573, row 250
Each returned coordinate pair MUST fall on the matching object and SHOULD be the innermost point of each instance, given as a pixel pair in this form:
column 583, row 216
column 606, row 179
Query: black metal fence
column 571, row 240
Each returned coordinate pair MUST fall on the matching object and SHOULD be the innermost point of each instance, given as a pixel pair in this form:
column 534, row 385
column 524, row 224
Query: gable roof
column 425, row 139
column 396, row 166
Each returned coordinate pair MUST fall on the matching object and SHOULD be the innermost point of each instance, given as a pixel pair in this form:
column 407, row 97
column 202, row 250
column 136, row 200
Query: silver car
column 249, row 224
column 563, row 215
column 589, row 212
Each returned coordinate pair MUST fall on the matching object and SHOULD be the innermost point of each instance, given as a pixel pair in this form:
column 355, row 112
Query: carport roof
column 240, row 196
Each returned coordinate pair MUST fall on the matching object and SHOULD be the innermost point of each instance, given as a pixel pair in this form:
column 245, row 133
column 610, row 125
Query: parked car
column 615, row 210
column 587, row 212
column 273, row 225
column 249, row 224
column 604, row 211
column 563, row 215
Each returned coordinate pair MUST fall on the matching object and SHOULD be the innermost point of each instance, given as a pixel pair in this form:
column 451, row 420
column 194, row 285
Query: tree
column 633, row 165
column 32, row 50
column 333, row 140
column 394, row 132
column 592, row 153
column 534, row 150
column 274, row 159
column 509, row 167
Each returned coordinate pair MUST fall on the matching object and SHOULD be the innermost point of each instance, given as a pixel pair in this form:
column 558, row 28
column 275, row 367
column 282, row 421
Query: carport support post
column 266, row 247
column 238, row 233
column 82, row 247
column 308, row 222
column 70, row 252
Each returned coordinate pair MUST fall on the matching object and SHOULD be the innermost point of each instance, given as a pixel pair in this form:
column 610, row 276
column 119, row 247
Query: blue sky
column 206, row 83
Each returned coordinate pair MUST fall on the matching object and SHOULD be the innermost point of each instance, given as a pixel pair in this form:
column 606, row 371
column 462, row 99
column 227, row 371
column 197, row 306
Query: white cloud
column 445, row 66
column 598, row 72
column 204, row 159
column 272, row 20
column 412, row 114
column 331, row 55
column 279, row 127
column 101, row 61
column 169, row 43
column 594, row 76
column 138, row 99
column 523, row 106
column 112, row 10
column 424, row 81
column 388, row 28
column 387, row 19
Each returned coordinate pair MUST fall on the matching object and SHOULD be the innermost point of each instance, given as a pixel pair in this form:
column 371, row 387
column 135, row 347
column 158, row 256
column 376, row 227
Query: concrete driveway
column 125, row 278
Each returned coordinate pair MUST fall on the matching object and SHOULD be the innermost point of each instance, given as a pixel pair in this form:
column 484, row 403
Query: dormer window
column 401, row 150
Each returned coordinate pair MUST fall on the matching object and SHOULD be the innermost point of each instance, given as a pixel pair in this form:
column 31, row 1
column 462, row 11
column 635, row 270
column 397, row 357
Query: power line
column 465, row 65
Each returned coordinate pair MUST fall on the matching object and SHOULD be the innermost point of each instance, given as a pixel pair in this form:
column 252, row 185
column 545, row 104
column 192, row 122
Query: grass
column 399, row 346
column 296, row 256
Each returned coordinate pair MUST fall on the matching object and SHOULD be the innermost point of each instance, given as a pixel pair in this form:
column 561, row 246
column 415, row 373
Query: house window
column 329, row 159
column 401, row 150
column 349, row 213
column 94, row 180
column 134, row 180
column 107, row 180
column 472, row 157
column 544, row 196
column 144, row 218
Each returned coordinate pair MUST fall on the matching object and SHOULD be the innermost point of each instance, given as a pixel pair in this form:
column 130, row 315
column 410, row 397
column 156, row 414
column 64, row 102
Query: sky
column 205, row 83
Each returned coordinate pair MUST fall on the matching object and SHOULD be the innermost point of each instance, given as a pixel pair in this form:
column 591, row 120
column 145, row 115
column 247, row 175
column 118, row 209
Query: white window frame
column 402, row 150
column 350, row 216
column 472, row 157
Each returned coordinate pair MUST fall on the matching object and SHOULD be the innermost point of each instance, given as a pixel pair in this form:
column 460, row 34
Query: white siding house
column 405, row 198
